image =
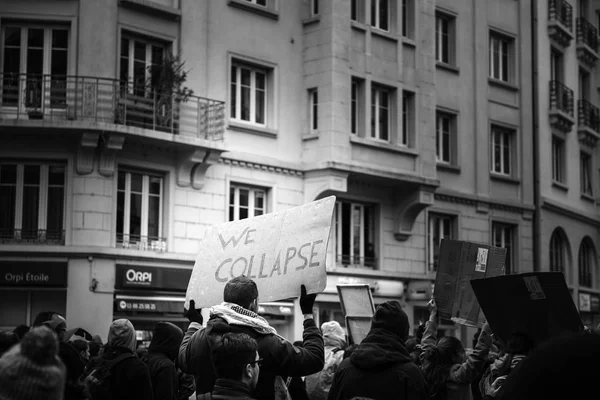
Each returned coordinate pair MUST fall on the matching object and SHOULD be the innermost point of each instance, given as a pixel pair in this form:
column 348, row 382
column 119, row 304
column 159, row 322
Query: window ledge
column 503, row 85
column 310, row 136
column 384, row 34
column 447, row 67
column 254, row 129
column 383, row 146
column 312, row 20
column 588, row 197
column 448, row 167
column 560, row 186
column 152, row 8
column 358, row 25
column 260, row 10
column 408, row 41
column 505, row 178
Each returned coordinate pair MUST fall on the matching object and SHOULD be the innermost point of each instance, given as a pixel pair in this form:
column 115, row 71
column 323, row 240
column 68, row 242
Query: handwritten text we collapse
column 230, row 268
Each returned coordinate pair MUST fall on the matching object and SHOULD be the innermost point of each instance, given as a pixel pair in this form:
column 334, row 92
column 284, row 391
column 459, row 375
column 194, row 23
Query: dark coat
column 381, row 369
column 74, row 388
column 280, row 356
column 226, row 389
column 161, row 360
column 130, row 378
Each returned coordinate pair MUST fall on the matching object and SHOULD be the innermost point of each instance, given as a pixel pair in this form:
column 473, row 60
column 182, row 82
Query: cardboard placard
column 358, row 307
column 358, row 328
column 538, row 304
column 279, row 251
column 460, row 262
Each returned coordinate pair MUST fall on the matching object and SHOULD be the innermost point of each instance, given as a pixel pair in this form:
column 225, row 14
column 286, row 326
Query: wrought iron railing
column 109, row 101
column 588, row 115
column 138, row 242
column 350, row 260
column 561, row 97
column 561, row 11
column 35, row 236
column 587, row 33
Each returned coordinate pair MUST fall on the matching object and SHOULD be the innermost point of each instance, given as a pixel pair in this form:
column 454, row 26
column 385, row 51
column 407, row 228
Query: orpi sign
column 279, row 251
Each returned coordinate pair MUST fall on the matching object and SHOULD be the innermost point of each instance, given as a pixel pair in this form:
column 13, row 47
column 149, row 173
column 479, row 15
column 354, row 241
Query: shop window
column 355, row 234
column 246, row 201
column 139, row 210
column 441, row 226
column 21, row 306
column 32, row 203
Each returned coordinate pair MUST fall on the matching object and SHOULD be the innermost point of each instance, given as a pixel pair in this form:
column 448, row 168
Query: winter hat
column 122, row 334
column 166, row 340
column 391, row 317
column 32, row 369
column 333, row 334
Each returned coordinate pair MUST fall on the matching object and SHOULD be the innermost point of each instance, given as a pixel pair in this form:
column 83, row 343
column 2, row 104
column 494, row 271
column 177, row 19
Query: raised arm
column 430, row 335
column 466, row 372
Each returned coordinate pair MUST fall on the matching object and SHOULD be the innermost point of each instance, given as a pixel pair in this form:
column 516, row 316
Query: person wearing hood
column 380, row 367
column 334, row 338
column 130, row 378
column 162, row 353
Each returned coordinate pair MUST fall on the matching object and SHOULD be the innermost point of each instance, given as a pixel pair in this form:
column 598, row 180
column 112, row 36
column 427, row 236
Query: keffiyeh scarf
column 236, row 315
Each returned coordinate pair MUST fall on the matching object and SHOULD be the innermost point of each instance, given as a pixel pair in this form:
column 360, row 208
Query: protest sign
column 279, row 251
column 459, row 263
column 538, row 304
column 358, row 307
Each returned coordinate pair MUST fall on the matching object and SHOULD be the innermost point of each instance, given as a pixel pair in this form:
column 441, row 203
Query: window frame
column 377, row 93
column 149, row 44
column 257, row 3
column 558, row 145
column 337, row 237
column 314, row 8
column 507, row 144
column 450, row 21
column 452, row 121
column 408, row 19
column 507, row 230
column 358, row 11
column 235, row 108
column 585, row 173
column 408, row 118
column 253, row 190
column 586, row 263
column 313, row 109
column 502, row 74
column 436, row 220
column 558, row 252
column 376, row 18
column 357, row 106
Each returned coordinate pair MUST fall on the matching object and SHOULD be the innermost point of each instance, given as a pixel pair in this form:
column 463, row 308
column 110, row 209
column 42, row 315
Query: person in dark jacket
column 238, row 315
column 161, row 360
column 130, row 378
column 381, row 368
column 237, row 364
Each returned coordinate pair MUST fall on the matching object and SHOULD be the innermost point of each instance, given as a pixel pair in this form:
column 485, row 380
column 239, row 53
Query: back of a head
column 51, row 319
column 80, row 345
column 166, row 340
column 333, row 334
column 231, row 353
column 32, row 369
column 448, row 348
column 241, row 291
column 122, row 334
column 391, row 317
column 95, row 348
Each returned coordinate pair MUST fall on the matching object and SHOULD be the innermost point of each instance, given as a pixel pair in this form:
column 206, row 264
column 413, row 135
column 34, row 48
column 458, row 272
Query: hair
column 43, row 317
column 95, row 348
column 21, row 330
column 241, row 291
column 437, row 363
column 231, row 353
column 80, row 345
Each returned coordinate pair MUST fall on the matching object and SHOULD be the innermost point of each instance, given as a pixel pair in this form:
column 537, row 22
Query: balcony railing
column 588, row 115
column 37, row 236
column 108, row 101
column 561, row 98
column 587, row 33
column 561, row 11
column 356, row 261
column 138, row 242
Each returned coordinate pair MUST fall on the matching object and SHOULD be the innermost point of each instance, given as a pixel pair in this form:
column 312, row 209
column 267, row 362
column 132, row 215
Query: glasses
column 257, row 362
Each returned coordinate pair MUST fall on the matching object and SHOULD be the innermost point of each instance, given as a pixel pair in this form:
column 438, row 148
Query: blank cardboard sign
column 356, row 300
column 358, row 328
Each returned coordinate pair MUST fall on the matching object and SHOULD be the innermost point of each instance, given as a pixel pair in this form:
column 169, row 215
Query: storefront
column 589, row 309
column 30, row 287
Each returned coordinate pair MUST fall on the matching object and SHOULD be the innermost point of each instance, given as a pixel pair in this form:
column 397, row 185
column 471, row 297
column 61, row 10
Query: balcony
column 561, row 107
column 587, row 42
column 108, row 104
column 588, row 120
column 145, row 243
column 560, row 22
column 36, row 236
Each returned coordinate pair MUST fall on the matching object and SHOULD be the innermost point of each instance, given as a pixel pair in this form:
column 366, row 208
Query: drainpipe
column 537, row 198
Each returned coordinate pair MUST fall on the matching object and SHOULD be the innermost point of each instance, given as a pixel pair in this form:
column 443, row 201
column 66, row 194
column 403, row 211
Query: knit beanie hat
column 32, row 370
column 333, row 334
column 391, row 317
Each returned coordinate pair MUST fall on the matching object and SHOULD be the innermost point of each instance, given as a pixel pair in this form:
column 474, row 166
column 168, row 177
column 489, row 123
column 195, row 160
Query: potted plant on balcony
column 167, row 83
column 33, row 98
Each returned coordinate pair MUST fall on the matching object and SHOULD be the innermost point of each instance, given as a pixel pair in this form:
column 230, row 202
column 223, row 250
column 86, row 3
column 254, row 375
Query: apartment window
column 503, row 235
column 137, row 56
column 500, row 54
column 355, row 234
column 314, row 7
column 258, row 2
column 585, row 262
column 583, row 8
column 246, row 201
column 557, row 251
column 408, row 16
column 408, row 117
column 357, row 10
column 32, row 202
column 380, row 14
column 139, row 209
column 35, row 65
column 556, row 65
column 440, row 227
column 558, row 160
column 249, row 93
column 502, row 139
column 381, row 113
column 444, row 137
column 313, row 96
column 585, row 171
column 444, row 38
column 584, row 85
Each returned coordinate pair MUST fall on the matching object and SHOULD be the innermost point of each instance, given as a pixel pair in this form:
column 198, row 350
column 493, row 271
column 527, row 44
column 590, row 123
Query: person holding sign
column 237, row 314
column 447, row 369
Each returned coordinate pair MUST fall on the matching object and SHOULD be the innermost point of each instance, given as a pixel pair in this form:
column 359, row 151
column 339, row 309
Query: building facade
column 415, row 114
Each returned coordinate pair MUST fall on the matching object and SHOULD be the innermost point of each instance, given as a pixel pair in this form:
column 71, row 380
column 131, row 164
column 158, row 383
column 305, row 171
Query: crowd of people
column 238, row 355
